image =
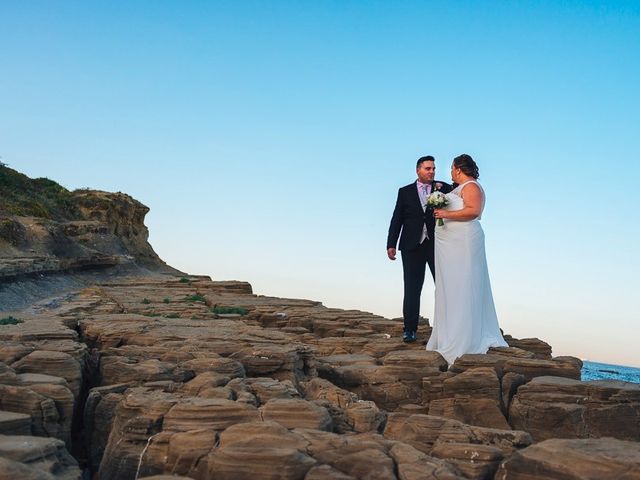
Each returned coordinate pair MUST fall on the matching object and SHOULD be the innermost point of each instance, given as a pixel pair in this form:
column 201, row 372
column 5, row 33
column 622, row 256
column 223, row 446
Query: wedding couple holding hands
column 465, row 319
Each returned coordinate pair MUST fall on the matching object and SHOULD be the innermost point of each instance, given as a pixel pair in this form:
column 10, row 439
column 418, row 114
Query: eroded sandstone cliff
column 46, row 230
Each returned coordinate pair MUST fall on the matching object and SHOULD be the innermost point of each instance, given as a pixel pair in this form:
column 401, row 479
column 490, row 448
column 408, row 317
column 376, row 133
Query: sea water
column 605, row 371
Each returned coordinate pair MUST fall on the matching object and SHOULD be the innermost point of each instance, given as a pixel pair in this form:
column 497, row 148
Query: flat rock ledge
column 166, row 377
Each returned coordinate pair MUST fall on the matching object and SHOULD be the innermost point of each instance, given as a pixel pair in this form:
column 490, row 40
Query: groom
column 417, row 223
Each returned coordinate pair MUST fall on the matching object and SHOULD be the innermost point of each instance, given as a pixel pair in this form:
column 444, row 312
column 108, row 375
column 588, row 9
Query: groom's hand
column 391, row 253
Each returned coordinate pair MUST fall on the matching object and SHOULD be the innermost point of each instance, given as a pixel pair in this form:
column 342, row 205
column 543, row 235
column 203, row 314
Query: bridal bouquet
column 437, row 200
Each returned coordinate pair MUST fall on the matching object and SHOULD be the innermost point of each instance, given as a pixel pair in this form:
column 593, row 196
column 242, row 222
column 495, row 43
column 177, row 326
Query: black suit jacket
column 409, row 218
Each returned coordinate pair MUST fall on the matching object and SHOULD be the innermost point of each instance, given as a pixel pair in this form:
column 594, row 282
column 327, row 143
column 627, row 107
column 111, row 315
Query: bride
column 465, row 319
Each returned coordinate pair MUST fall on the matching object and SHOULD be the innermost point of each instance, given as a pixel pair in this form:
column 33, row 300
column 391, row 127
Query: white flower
column 437, row 200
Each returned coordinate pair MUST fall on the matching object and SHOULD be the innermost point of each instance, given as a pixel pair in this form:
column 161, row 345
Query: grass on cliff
column 195, row 298
column 10, row 321
column 225, row 310
column 39, row 197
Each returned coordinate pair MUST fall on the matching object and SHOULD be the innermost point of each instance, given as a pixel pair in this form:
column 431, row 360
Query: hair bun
column 468, row 166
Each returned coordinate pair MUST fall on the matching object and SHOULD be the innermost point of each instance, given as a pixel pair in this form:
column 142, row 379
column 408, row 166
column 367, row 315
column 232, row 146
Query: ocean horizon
column 606, row 371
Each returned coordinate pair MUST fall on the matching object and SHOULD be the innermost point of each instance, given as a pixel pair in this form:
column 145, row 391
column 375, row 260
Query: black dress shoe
column 409, row 337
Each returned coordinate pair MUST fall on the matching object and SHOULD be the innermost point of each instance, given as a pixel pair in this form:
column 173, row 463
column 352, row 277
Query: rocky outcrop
column 589, row 459
column 425, row 432
column 109, row 231
column 48, row 233
column 27, row 457
column 552, row 407
column 472, row 397
column 165, row 376
column 118, row 221
column 13, row 423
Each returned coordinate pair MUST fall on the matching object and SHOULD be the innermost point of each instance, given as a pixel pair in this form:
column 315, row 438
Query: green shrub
column 146, row 301
column 40, row 197
column 223, row 310
column 166, row 300
column 12, row 231
column 184, row 280
column 152, row 314
column 173, row 315
column 10, row 321
column 195, row 298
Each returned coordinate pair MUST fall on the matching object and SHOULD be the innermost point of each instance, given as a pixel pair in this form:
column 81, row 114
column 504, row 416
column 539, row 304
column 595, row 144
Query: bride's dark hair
column 465, row 163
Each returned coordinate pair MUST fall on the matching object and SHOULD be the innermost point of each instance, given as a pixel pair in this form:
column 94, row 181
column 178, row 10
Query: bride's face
column 455, row 173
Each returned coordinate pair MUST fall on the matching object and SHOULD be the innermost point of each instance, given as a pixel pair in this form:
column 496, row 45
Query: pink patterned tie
column 426, row 187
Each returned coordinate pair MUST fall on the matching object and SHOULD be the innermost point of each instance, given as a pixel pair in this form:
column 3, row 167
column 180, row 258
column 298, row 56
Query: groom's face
column 426, row 171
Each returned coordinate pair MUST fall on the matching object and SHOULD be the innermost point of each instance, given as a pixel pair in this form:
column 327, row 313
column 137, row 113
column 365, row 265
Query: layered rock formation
column 149, row 377
column 48, row 232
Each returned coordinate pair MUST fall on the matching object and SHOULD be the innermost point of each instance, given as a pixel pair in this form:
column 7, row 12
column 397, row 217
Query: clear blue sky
column 269, row 140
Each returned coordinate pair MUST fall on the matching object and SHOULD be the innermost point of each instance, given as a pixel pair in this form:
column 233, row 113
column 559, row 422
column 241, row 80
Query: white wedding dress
column 465, row 319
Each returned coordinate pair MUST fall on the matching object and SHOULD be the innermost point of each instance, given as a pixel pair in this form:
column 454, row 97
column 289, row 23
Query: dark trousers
column 414, row 264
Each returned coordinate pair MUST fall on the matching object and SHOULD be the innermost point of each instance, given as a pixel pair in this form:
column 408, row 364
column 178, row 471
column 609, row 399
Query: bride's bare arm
column 472, row 196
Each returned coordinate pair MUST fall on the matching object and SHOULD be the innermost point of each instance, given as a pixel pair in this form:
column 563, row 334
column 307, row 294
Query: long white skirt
column 465, row 319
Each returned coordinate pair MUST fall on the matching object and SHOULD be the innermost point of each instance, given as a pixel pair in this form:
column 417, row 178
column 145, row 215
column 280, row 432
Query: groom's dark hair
column 428, row 158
